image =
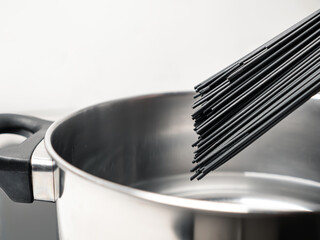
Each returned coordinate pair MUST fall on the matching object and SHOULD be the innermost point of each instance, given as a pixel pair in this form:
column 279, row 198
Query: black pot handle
column 15, row 167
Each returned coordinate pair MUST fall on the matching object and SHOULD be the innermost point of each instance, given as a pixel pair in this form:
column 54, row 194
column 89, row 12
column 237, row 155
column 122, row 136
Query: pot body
column 124, row 168
column 89, row 211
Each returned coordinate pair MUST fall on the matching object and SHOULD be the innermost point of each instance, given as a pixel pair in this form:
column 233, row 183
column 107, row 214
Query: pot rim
column 174, row 201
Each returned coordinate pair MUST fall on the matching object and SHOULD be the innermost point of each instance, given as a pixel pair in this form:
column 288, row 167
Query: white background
column 70, row 54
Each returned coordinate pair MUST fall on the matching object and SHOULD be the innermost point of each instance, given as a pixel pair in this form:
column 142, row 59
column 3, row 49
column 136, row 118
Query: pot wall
column 90, row 211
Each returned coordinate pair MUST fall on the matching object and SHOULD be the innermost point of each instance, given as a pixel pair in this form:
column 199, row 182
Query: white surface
column 70, row 54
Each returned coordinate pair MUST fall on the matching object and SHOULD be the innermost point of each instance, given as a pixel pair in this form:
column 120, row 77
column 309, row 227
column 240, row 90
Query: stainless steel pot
column 120, row 170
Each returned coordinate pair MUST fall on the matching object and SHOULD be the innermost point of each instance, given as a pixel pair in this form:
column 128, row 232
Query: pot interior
column 145, row 142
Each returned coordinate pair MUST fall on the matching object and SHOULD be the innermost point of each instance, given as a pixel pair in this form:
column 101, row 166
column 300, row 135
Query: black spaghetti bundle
column 243, row 101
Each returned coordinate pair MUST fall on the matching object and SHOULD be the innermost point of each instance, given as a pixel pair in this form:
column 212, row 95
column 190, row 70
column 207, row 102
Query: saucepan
column 120, row 170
